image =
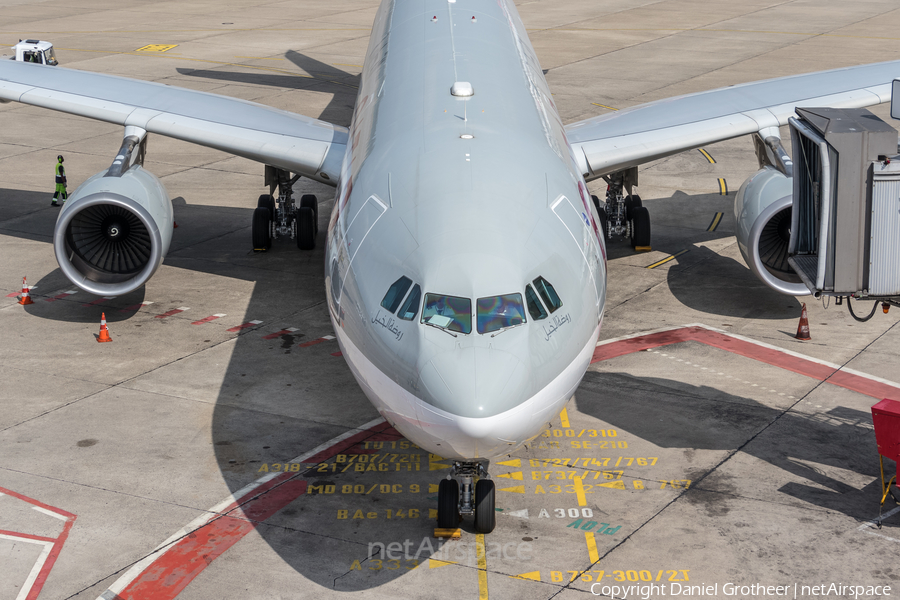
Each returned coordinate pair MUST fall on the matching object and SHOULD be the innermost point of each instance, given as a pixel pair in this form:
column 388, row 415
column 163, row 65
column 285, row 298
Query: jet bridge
column 845, row 221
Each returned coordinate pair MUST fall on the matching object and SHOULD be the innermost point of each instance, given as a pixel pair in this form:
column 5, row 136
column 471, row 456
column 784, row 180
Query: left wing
column 637, row 135
column 275, row 137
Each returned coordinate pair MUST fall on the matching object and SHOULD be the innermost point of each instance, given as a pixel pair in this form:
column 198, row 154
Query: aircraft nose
column 475, row 382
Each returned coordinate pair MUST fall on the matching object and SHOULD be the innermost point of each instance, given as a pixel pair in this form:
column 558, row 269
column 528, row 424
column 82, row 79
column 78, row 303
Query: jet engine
column 114, row 231
column 762, row 211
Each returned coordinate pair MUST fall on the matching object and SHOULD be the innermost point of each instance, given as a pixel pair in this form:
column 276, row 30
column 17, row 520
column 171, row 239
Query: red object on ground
column 886, row 418
column 26, row 297
column 803, row 327
column 104, row 332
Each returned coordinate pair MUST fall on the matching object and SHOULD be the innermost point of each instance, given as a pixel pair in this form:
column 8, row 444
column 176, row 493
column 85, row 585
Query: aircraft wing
column 639, row 134
column 275, row 137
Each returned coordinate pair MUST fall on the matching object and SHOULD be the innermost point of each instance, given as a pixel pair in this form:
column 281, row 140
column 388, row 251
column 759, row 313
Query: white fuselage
column 468, row 206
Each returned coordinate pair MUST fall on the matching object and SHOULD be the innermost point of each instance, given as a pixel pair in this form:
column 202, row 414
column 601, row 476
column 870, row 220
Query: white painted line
column 183, row 308
column 868, row 526
column 218, row 510
column 50, row 512
column 805, row 357
column 328, row 337
column 38, row 564
column 220, row 315
column 255, row 322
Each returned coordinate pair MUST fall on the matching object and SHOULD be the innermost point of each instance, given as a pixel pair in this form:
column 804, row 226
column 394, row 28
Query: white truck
column 35, row 51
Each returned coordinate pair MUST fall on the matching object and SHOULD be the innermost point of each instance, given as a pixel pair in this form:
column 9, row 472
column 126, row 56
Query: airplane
column 465, row 271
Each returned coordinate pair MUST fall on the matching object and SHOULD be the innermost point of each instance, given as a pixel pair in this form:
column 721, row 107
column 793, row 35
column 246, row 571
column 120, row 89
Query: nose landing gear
column 471, row 498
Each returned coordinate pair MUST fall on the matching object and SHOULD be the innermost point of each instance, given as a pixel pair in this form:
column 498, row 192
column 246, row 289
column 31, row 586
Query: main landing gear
column 475, row 498
column 623, row 215
column 284, row 217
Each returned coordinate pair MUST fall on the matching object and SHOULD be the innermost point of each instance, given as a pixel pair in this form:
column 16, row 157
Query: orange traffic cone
column 25, row 297
column 104, row 332
column 803, row 328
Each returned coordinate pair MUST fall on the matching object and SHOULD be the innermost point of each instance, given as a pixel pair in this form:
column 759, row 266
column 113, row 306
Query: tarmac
column 220, row 448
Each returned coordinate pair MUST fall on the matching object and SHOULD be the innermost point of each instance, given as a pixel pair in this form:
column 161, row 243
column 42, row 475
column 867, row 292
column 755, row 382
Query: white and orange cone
column 104, row 332
column 803, row 328
column 25, row 297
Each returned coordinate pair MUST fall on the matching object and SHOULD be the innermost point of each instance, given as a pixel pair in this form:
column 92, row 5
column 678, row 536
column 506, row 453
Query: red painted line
column 770, row 356
column 57, row 543
column 59, row 296
column 51, row 560
column 34, row 502
column 177, row 567
column 244, row 326
column 135, row 307
column 208, row 319
column 97, row 301
column 171, row 573
column 174, row 311
column 338, row 353
column 278, row 334
column 324, row 338
column 26, row 536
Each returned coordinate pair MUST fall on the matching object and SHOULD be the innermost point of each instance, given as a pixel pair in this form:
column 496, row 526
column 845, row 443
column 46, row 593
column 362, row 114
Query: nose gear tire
column 485, row 515
column 448, row 504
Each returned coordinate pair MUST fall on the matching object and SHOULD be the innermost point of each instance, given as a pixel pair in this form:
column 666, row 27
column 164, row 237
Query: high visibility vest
column 60, row 173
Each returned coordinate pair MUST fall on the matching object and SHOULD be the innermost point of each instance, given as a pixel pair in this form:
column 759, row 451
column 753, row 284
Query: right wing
column 274, row 137
column 636, row 135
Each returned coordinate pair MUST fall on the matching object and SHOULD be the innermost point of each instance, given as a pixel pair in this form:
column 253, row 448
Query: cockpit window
column 448, row 312
column 411, row 306
column 499, row 312
column 535, row 308
column 548, row 294
column 395, row 293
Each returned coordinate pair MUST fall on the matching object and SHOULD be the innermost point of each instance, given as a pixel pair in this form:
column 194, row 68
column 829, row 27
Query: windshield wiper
column 507, row 328
column 444, row 329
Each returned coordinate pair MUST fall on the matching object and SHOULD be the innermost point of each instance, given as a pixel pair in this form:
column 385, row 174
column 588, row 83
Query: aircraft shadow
column 674, row 415
column 325, row 78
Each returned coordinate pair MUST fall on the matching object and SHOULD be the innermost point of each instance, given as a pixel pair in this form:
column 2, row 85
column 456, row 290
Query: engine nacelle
column 762, row 211
column 114, row 232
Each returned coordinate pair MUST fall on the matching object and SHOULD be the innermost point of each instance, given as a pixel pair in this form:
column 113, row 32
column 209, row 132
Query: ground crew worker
column 60, row 182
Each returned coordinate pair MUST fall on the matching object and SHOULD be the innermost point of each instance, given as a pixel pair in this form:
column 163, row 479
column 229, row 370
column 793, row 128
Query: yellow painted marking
column 667, row 259
column 615, row 485
column 723, row 188
column 482, row 567
column 447, row 533
column 706, row 154
column 432, row 466
column 432, row 514
column 715, row 222
column 579, row 492
column 519, row 489
column 516, row 462
column 346, row 65
column 260, row 57
column 592, row 546
column 434, row 457
column 533, row 576
column 564, row 418
column 157, row 48
column 517, row 475
column 604, row 106
column 433, row 488
column 434, row 564
column 643, row 248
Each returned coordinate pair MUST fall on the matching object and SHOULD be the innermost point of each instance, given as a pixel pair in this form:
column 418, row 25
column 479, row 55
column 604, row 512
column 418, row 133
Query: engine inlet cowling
column 114, row 232
column 762, row 211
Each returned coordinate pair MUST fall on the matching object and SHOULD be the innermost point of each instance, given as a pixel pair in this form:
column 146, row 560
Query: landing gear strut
column 461, row 495
column 284, row 217
column 624, row 215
